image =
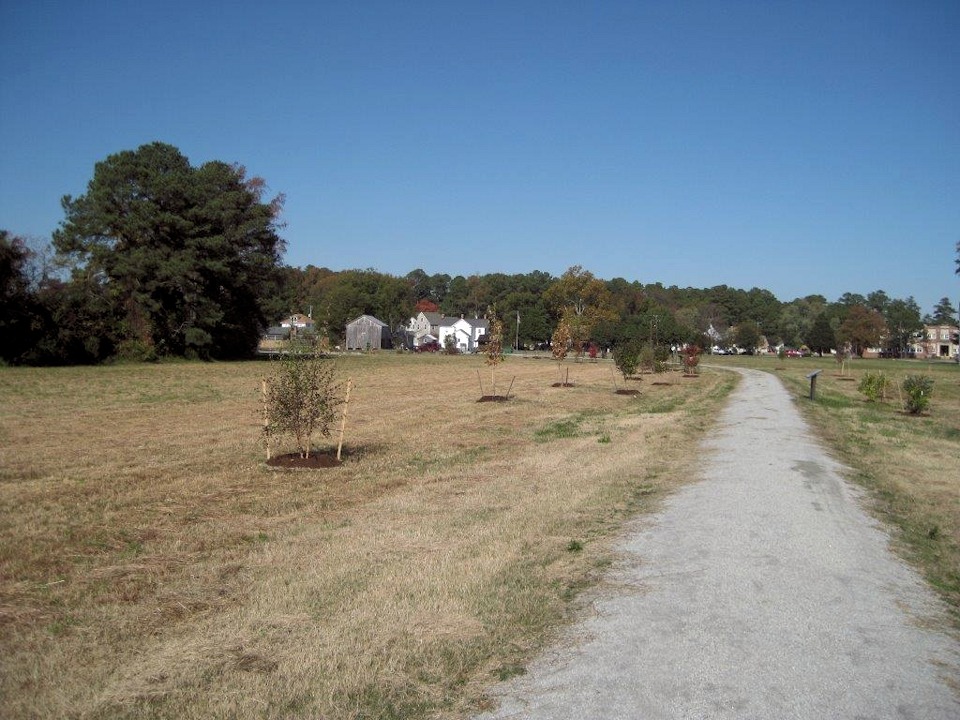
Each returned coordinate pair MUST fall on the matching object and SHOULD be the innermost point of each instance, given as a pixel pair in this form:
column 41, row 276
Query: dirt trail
column 762, row 591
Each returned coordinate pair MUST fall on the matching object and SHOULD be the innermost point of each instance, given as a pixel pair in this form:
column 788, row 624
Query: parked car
column 432, row 346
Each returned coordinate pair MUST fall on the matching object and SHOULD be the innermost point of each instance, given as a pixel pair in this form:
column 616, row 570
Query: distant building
column 368, row 333
column 937, row 341
column 466, row 332
column 299, row 321
column 276, row 338
column 424, row 328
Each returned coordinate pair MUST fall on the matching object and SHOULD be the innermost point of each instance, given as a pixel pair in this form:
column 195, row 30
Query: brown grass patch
column 153, row 566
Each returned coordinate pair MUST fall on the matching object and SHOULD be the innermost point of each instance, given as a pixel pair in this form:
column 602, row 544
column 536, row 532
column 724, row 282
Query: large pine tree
column 187, row 254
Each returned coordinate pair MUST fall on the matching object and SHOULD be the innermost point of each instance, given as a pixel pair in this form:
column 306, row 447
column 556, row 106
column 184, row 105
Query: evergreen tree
column 944, row 313
column 16, row 301
column 820, row 338
column 187, row 255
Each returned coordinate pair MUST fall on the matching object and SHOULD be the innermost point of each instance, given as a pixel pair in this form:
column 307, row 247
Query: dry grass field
column 909, row 463
column 152, row 566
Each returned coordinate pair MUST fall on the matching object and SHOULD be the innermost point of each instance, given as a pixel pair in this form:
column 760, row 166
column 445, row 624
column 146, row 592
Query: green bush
column 875, row 385
column 302, row 398
column 654, row 359
column 136, row 351
column 918, row 389
column 627, row 358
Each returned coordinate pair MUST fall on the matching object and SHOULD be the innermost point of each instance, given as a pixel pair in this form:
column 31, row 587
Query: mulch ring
column 559, row 384
column 627, row 391
column 493, row 398
column 316, row 461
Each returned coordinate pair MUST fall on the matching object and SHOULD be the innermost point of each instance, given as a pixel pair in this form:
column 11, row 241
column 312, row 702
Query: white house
column 424, row 327
column 298, row 320
column 465, row 331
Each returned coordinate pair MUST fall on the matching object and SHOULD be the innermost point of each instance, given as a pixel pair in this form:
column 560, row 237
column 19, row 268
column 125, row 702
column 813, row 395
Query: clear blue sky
column 803, row 147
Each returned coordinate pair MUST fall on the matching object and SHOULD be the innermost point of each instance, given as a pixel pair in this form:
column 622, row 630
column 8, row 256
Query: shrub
column 691, row 359
column 627, row 358
column 137, row 351
column 918, row 389
column 875, row 385
column 302, row 398
column 654, row 359
column 494, row 347
column 560, row 344
column 842, row 356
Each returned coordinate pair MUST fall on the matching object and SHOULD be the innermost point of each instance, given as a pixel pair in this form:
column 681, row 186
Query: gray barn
column 368, row 333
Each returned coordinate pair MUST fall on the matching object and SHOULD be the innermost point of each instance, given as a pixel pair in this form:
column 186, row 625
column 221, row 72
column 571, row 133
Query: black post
column 813, row 383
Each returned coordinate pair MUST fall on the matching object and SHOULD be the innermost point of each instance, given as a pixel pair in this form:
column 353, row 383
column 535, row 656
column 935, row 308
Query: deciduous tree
column 302, row 398
column 494, row 346
column 862, row 328
column 747, row 336
column 582, row 301
column 560, row 343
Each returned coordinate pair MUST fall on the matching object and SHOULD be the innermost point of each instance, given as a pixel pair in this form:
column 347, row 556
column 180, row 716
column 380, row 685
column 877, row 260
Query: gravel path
column 763, row 591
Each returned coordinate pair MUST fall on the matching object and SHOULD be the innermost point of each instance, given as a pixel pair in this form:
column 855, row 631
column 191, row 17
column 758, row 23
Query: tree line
column 163, row 259
column 613, row 311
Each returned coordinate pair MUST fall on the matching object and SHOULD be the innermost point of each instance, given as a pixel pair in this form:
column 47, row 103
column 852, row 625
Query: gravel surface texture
column 762, row 591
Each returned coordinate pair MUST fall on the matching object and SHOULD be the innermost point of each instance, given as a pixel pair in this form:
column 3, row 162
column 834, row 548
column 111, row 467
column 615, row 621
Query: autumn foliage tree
column 581, row 301
column 426, row 306
column 691, row 360
column 494, row 347
column 863, row 328
column 560, row 344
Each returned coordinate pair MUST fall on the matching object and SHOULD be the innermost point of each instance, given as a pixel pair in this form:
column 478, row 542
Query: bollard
column 813, row 383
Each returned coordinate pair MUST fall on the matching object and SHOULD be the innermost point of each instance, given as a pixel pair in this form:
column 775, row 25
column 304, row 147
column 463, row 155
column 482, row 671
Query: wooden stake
column 343, row 420
column 480, row 380
column 266, row 414
column 511, row 387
